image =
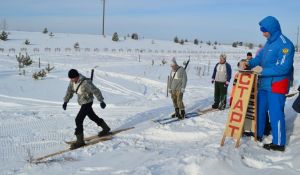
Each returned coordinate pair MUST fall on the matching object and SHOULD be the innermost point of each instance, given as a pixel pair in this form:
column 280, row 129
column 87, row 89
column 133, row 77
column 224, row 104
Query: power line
column 297, row 46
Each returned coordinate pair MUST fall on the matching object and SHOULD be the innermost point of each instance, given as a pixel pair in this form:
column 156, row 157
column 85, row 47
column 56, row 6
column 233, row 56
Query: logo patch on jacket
column 285, row 50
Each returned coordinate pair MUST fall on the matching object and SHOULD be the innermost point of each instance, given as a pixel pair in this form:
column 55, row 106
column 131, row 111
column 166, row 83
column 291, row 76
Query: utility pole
column 103, row 17
column 297, row 47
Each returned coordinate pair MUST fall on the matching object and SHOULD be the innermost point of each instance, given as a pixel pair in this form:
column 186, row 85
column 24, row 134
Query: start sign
column 239, row 106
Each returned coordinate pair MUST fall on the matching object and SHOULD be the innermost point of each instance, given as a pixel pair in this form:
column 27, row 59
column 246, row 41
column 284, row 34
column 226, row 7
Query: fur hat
column 73, row 73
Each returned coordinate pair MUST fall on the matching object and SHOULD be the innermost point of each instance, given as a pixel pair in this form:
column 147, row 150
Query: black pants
column 86, row 110
column 220, row 93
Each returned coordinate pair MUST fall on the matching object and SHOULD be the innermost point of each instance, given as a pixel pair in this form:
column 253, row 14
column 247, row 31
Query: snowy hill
column 34, row 124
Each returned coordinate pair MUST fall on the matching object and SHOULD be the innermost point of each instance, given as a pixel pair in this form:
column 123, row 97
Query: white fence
column 47, row 51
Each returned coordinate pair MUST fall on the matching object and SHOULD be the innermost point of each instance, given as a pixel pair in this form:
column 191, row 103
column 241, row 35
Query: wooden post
column 168, row 86
column 254, row 125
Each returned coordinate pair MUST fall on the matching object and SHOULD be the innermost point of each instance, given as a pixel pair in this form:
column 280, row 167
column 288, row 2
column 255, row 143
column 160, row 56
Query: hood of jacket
column 271, row 24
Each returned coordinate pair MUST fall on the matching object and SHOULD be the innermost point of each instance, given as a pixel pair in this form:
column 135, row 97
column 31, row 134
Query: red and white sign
column 238, row 109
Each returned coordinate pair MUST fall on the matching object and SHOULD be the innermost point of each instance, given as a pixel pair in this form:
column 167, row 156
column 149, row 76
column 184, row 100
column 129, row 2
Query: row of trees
column 239, row 43
column 45, row 31
column 115, row 37
column 196, row 41
column 133, row 36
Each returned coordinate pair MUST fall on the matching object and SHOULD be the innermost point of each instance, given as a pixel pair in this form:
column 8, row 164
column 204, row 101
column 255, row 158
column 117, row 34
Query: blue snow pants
column 274, row 103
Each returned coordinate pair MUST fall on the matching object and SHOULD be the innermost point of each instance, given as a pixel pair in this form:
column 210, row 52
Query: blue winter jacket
column 228, row 71
column 276, row 59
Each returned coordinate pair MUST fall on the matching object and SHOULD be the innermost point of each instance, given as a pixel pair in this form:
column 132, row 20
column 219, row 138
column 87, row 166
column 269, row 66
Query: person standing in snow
column 85, row 90
column 221, row 78
column 249, row 57
column 274, row 66
column 177, row 84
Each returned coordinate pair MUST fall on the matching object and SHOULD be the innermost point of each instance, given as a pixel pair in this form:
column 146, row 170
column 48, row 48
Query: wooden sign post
column 243, row 108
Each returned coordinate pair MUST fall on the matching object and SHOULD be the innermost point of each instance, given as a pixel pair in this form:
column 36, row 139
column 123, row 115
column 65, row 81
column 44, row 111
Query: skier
column 221, row 77
column 274, row 64
column 85, row 89
column 177, row 84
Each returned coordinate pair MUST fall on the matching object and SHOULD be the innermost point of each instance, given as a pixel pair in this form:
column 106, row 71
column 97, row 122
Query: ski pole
column 92, row 74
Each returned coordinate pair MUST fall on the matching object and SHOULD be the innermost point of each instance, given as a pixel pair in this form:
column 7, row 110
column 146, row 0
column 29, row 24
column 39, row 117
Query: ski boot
column 222, row 106
column 182, row 115
column 215, row 106
column 79, row 142
column 248, row 134
column 274, row 147
column 105, row 129
column 176, row 114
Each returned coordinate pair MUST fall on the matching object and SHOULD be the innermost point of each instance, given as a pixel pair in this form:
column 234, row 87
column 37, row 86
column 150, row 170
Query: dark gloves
column 64, row 106
column 103, row 105
column 212, row 81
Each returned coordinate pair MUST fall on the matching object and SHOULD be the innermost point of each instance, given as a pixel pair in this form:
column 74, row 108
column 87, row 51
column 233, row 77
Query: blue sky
column 221, row 20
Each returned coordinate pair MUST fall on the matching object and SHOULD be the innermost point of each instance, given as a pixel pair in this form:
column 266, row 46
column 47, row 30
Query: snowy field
column 33, row 123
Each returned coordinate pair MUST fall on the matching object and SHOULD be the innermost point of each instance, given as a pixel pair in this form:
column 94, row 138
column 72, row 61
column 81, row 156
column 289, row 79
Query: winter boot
column 176, row 114
column 222, row 105
column 182, row 114
column 274, row 147
column 259, row 139
column 248, row 134
column 79, row 142
column 215, row 106
column 105, row 129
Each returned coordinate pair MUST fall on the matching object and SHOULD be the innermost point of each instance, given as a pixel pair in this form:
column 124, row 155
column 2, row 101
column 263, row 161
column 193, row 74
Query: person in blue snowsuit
column 274, row 64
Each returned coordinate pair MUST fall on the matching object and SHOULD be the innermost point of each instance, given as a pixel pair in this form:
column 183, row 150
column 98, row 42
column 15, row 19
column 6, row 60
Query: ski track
column 118, row 88
column 135, row 79
column 45, row 134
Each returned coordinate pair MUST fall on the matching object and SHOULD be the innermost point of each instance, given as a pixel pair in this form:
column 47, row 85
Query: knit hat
column 73, row 73
column 249, row 54
column 173, row 62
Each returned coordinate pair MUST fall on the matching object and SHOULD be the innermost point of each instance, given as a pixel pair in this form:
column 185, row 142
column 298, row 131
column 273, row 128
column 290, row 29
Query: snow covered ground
column 34, row 124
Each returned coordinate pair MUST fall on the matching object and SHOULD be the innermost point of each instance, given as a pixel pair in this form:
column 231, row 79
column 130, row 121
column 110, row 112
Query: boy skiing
column 85, row 90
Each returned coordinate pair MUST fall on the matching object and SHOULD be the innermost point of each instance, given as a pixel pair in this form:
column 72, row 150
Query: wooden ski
column 91, row 142
column 88, row 142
